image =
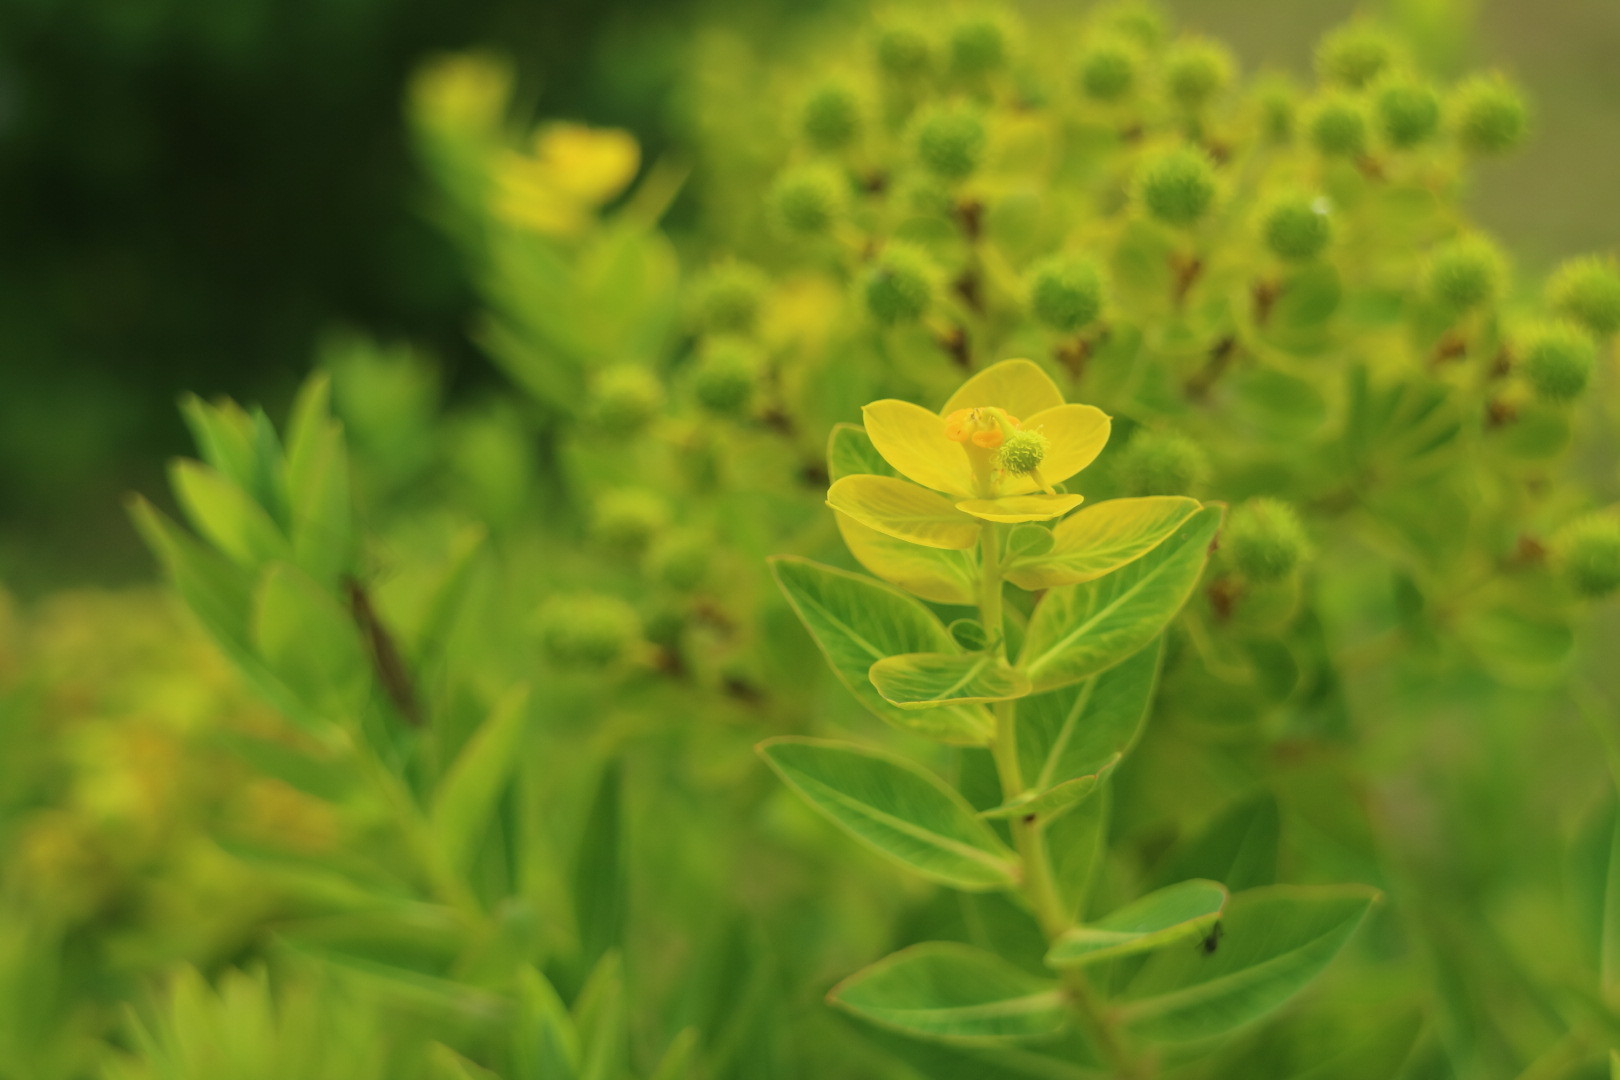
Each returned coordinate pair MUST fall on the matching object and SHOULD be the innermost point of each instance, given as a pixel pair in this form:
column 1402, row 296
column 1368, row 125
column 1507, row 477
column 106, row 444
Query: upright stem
column 1029, row 832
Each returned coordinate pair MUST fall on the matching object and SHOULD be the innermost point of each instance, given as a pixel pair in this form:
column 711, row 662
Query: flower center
column 986, row 427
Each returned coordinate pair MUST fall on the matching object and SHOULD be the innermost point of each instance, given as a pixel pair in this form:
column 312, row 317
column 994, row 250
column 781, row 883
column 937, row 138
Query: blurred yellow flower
column 462, row 93
column 572, row 171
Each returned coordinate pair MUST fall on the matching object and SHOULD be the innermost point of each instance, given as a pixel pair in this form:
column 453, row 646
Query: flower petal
column 1018, row 386
column 912, row 439
column 1038, row 507
column 903, row 510
column 1076, row 434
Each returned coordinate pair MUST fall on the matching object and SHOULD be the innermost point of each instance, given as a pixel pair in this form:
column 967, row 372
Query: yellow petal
column 904, row 511
column 1076, row 434
column 1040, row 507
column 945, row 577
column 1018, row 386
column 912, row 439
column 592, row 164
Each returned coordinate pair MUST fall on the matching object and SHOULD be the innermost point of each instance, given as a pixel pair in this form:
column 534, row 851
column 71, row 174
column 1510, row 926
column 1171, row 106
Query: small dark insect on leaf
column 1213, row 941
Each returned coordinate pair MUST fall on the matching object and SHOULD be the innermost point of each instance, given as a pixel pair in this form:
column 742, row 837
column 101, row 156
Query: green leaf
column 600, row 885
column 952, row 992
column 1077, row 731
column 1277, row 940
column 905, row 511
column 1052, row 803
column 600, row 1017
column 318, row 486
column 1183, row 911
column 469, row 793
column 310, row 642
column 1239, row 847
column 929, row 680
column 895, row 808
column 679, row 1060
column 850, row 453
column 1099, row 540
column 224, row 437
column 1080, row 630
column 857, row 622
column 945, row 577
column 225, row 515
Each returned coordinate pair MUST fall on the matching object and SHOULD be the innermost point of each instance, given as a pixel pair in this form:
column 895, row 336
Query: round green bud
column 831, row 119
column 1022, row 452
column 680, row 560
column 1265, row 540
column 1466, row 273
column 1338, row 126
column 1408, row 112
column 1297, row 227
column 978, row 45
column 1277, row 101
column 1558, row 360
column 950, row 141
column 899, row 286
column 1065, row 292
column 625, row 399
column 902, row 51
column 1588, row 291
column 809, row 199
column 1162, row 463
column 726, row 375
column 628, row 518
column 1586, row 553
column 922, row 193
column 1354, row 55
column 1108, row 70
column 727, row 299
column 1177, row 186
column 588, row 631
column 1139, row 20
column 1490, row 115
column 1196, row 71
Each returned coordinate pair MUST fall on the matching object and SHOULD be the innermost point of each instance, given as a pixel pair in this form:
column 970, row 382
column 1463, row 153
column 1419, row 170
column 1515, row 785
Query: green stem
column 1029, row 833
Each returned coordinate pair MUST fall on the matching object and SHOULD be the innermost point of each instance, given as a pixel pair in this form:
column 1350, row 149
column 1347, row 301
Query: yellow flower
column 993, row 453
column 463, row 93
column 572, row 172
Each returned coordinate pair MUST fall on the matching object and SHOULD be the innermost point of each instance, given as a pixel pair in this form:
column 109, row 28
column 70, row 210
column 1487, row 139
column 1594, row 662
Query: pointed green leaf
column 953, row 992
column 1276, row 940
column 679, row 1060
column 1052, row 803
column 1100, row 539
column 896, row 808
column 928, row 680
column 850, row 453
column 545, row 1044
column 1080, row 630
column 857, row 622
column 1183, row 911
column 225, row 515
column 1076, row 731
column 318, row 485
column 945, row 577
column 904, row 510
column 310, row 642
column 1239, row 847
column 224, row 437
column 467, row 796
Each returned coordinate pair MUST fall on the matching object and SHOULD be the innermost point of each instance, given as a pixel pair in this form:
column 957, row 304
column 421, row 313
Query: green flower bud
column 726, row 375
column 899, row 286
column 1408, row 112
column 832, row 118
column 628, row 518
column 1065, row 292
column 1586, row 553
column 680, row 560
column 1297, row 227
column 1466, row 273
column 902, row 52
column 1338, row 126
column 1354, row 55
column 1108, row 70
column 1196, row 71
column 809, row 199
column 1490, row 115
column 625, row 399
column 727, row 298
column 1177, row 186
column 978, row 46
column 1277, row 100
column 588, row 631
column 1022, row 452
column 1162, row 463
column 1139, row 20
column 1588, row 291
column 950, row 141
column 1265, row 540
column 1558, row 360
column 922, row 193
